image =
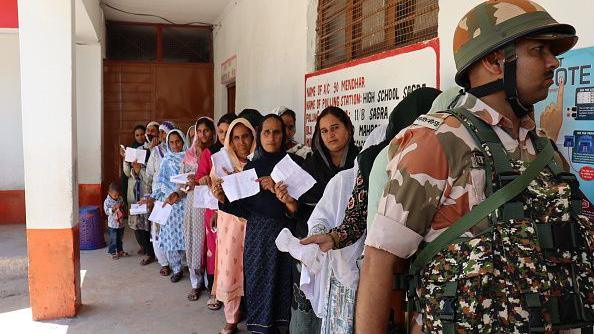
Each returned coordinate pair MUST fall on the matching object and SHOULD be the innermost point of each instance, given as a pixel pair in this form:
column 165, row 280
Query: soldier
column 482, row 265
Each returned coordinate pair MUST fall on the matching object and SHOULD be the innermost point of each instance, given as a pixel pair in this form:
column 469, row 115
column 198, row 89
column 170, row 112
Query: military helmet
column 495, row 23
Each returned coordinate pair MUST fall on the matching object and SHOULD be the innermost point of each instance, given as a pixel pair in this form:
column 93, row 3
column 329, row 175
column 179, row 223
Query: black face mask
column 149, row 138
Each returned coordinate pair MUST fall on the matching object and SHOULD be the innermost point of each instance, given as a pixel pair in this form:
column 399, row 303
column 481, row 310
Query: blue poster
column 567, row 115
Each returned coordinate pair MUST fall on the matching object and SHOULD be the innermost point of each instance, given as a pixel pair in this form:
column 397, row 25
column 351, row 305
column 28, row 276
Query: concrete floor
column 118, row 296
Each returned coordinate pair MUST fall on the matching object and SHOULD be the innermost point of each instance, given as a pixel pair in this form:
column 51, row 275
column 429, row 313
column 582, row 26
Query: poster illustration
column 369, row 88
column 568, row 116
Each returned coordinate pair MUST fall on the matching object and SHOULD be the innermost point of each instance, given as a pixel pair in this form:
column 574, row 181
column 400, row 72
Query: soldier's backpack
column 529, row 270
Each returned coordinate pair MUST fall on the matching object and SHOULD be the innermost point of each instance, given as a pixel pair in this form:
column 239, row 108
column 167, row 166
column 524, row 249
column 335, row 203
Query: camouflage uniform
column 437, row 176
column 527, row 266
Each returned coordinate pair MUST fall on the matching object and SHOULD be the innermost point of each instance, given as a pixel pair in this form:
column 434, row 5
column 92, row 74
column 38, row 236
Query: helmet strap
column 487, row 89
column 507, row 84
column 510, row 83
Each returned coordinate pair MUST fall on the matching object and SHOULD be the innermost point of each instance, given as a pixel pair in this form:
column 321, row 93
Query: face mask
column 149, row 138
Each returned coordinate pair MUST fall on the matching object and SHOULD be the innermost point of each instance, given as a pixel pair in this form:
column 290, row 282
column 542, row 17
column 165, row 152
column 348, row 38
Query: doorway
column 136, row 93
column 231, row 98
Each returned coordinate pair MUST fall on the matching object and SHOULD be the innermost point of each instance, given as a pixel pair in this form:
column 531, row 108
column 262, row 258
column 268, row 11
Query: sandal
column 194, row 294
column 213, row 304
column 229, row 329
column 176, row 277
column 147, row 260
column 123, row 254
column 115, row 257
column 165, row 271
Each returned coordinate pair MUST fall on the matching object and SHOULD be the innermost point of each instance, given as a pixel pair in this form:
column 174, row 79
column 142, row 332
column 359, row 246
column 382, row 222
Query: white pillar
column 46, row 36
column 89, row 114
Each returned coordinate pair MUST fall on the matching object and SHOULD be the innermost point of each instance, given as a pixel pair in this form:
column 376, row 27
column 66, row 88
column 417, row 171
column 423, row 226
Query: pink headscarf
column 191, row 157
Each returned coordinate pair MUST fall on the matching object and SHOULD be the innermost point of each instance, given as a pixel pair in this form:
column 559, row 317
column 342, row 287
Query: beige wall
column 275, row 45
column 89, row 23
column 11, row 144
column 270, row 40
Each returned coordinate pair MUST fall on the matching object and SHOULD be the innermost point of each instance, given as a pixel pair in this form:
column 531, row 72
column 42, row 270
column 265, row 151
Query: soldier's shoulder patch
column 429, row 121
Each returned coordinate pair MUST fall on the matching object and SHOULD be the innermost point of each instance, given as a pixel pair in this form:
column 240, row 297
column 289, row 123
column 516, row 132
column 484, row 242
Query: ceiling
column 177, row 11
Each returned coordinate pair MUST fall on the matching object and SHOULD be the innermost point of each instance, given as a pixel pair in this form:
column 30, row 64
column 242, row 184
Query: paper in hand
column 138, row 209
column 180, row 178
column 241, row 185
column 221, row 162
column 160, row 214
column 203, row 198
column 290, row 173
column 135, row 155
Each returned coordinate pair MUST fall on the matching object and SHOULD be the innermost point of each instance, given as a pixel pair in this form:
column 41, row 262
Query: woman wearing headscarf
column 267, row 271
column 157, row 154
column 171, row 236
column 194, row 217
column 135, row 173
column 152, row 135
column 354, row 223
column 202, row 177
column 191, row 133
column 129, row 183
column 240, row 143
column 143, row 188
column 404, row 114
column 334, row 150
column 138, row 133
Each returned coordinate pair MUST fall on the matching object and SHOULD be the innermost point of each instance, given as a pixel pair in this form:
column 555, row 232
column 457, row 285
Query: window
column 350, row 29
column 131, row 42
column 158, row 42
column 183, row 44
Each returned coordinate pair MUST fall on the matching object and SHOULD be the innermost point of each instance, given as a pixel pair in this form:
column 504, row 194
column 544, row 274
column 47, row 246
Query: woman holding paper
column 138, row 133
column 171, row 238
column 158, row 149
column 334, row 150
column 362, row 204
column 239, row 144
column 137, row 189
column 134, row 174
column 267, row 271
column 202, row 178
column 194, row 217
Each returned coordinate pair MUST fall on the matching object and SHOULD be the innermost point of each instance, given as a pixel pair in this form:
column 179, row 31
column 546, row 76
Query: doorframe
column 231, row 86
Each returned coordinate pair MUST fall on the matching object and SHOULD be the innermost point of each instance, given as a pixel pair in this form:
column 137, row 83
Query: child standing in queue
column 114, row 209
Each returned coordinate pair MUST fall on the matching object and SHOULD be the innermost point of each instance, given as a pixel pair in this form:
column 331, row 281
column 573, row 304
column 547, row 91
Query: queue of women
column 231, row 252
